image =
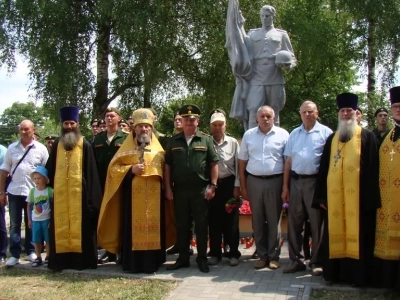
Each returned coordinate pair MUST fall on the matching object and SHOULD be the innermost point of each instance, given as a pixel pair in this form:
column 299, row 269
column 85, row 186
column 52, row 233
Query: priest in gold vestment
column 77, row 197
column 132, row 220
column 387, row 241
column 347, row 191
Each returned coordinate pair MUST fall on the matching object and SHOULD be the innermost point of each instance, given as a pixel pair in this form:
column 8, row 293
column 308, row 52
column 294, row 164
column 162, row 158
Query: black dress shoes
column 175, row 250
column 177, row 265
column 203, row 266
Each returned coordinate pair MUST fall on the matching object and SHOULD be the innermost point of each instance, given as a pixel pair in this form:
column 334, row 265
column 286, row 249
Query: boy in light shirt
column 39, row 207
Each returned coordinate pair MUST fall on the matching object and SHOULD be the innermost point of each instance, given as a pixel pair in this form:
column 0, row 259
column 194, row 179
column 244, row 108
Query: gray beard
column 143, row 139
column 346, row 129
column 70, row 139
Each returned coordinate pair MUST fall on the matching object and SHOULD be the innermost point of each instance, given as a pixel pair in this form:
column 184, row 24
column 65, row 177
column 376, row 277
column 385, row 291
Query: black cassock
column 91, row 201
column 358, row 272
column 138, row 261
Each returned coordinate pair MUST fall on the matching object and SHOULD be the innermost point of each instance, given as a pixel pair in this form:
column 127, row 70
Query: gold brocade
column 344, row 197
column 387, row 239
column 68, row 199
column 146, row 198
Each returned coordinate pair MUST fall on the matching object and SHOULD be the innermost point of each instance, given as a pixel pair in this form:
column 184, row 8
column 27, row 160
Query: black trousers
column 223, row 223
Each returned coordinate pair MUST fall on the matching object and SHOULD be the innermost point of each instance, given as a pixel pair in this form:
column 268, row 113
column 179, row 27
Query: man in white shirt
column 303, row 153
column 261, row 164
column 20, row 186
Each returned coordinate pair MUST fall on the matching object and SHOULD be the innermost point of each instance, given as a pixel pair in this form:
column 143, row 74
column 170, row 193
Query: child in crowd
column 39, row 207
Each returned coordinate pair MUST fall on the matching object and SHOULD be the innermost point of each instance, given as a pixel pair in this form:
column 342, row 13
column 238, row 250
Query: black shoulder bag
column 9, row 177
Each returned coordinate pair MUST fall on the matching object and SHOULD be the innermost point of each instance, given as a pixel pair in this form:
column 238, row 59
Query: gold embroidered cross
column 392, row 153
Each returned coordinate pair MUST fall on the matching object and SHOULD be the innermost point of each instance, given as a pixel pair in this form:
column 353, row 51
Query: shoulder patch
column 177, row 148
column 205, row 133
column 98, row 145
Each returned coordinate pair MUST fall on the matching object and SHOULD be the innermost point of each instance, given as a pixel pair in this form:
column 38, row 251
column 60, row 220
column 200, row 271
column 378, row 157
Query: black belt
column 296, row 176
column 266, row 176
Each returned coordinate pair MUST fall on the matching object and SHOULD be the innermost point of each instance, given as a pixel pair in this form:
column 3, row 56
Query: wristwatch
column 214, row 185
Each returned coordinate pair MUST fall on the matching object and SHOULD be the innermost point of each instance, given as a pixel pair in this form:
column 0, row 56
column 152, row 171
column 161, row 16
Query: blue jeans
column 3, row 232
column 16, row 205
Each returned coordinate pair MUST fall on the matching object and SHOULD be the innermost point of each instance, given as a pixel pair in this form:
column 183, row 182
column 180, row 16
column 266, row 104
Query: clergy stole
column 387, row 240
column 344, row 197
column 68, row 199
column 146, row 189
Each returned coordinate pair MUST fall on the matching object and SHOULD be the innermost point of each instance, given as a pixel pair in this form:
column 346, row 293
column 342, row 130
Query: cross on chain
column 142, row 150
column 392, row 153
column 337, row 156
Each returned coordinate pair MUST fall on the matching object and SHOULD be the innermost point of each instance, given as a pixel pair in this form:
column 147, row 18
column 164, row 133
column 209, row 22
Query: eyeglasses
column 396, row 107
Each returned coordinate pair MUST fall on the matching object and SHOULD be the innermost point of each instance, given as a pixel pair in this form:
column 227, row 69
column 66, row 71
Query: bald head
column 309, row 114
column 26, row 131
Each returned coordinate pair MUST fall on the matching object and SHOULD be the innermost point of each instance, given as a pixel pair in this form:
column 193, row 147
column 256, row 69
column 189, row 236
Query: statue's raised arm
column 257, row 61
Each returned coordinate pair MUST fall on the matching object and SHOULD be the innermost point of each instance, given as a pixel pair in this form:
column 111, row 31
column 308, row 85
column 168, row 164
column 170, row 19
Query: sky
column 14, row 87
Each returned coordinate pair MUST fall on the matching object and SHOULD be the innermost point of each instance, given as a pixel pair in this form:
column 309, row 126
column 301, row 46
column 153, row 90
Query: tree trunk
column 371, row 76
column 146, row 96
column 101, row 101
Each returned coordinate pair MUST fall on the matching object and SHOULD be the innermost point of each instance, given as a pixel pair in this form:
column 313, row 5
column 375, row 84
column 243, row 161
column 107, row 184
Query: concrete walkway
column 224, row 281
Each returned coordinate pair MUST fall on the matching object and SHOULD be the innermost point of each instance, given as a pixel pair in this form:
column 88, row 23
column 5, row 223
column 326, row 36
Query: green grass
column 18, row 283
column 354, row 295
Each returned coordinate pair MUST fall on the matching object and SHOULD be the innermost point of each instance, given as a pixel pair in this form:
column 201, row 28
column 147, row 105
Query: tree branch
column 122, row 89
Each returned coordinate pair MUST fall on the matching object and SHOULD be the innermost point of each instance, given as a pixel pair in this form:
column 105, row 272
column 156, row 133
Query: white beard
column 346, row 129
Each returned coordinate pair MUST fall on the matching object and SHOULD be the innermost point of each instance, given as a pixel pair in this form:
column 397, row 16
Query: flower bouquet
column 231, row 205
column 285, row 207
column 245, row 208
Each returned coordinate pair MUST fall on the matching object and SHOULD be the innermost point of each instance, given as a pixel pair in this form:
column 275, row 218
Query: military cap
column 123, row 121
column 143, row 116
column 51, row 137
column 359, row 109
column 394, row 94
column 93, row 121
column 37, row 134
column 379, row 110
column 189, row 111
column 112, row 109
column 100, row 122
column 347, row 100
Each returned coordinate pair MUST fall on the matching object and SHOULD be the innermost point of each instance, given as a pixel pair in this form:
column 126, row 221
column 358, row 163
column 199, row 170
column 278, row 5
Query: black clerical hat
column 347, row 100
column 69, row 113
column 394, row 94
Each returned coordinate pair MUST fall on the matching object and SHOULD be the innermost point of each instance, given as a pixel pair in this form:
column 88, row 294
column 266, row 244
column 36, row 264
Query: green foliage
column 151, row 53
column 12, row 117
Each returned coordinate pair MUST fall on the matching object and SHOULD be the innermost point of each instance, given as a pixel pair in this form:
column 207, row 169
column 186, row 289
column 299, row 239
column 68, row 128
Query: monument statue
column 257, row 61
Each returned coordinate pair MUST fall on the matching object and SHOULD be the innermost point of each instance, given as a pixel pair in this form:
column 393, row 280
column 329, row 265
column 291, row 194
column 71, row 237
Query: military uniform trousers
column 190, row 204
column 222, row 222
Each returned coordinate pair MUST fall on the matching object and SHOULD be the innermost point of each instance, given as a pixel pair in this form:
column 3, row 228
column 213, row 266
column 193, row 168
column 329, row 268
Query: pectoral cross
column 337, row 156
column 142, row 150
column 392, row 153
